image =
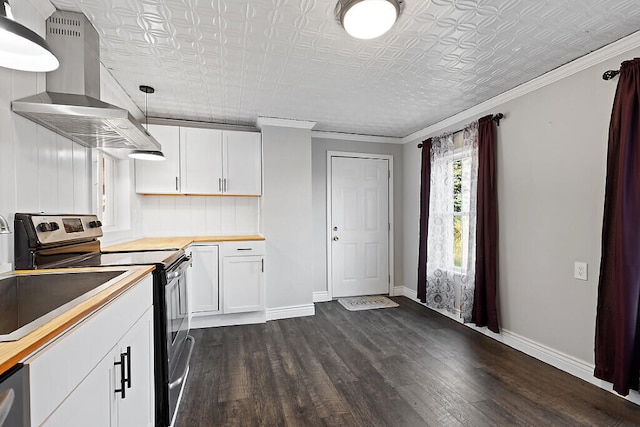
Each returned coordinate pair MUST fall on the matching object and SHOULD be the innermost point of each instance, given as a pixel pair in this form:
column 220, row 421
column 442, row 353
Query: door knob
column 335, row 238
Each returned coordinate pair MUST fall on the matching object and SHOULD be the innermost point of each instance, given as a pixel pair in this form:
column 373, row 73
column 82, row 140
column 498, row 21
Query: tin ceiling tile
column 232, row 60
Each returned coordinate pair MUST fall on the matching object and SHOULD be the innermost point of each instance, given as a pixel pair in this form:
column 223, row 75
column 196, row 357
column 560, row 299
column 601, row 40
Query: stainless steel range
column 56, row 241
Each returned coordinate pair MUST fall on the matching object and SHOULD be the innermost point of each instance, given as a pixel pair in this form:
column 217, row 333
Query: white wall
column 552, row 149
column 39, row 170
column 199, row 215
column 287, row 213
column 319, row 147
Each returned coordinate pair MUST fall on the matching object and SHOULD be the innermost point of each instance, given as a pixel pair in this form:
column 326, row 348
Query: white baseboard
column 569, row 364
column 213, row 321
column 321, row 296
column 403, row 291
column 291, row 311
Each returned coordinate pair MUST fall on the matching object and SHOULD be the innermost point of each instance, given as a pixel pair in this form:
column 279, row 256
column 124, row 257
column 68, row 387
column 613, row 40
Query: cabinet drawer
column 248, row 248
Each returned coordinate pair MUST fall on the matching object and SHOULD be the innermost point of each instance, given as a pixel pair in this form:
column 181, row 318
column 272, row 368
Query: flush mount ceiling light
column 21, row 48
column 368, row 19
column 152, row 155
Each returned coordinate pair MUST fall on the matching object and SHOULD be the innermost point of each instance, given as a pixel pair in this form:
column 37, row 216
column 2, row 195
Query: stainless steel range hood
column 71, row 105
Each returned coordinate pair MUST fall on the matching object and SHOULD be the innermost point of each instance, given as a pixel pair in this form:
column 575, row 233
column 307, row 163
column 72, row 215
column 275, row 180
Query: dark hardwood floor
column 405, row 366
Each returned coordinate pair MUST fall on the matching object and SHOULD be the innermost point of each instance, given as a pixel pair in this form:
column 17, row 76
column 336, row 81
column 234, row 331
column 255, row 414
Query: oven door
column 177, row 312
column 179, row 343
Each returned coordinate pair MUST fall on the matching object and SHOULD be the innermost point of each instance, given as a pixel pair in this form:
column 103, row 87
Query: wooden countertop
column 12, row 352
column 159, row 243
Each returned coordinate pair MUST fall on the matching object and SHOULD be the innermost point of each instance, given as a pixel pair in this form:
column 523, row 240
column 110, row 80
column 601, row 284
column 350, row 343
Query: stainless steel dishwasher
column 14, row 397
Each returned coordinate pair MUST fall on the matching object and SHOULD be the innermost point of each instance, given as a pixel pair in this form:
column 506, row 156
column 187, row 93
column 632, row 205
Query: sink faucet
column 4, row 226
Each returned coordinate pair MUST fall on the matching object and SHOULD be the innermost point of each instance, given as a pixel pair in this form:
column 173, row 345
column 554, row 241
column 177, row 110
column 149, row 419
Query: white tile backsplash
column 199, row 215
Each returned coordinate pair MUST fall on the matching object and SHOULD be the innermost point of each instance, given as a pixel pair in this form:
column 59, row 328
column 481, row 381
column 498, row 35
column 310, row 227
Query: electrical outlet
column 580, row 270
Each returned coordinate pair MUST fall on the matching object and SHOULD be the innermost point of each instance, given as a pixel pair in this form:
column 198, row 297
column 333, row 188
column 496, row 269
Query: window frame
column 118, row 193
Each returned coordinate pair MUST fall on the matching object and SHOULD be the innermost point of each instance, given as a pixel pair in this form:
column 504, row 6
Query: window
column 461, row 203
column 106, row 183
column 112, row 191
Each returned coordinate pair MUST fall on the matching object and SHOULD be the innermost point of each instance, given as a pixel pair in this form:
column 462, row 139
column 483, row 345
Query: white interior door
column 359, row 226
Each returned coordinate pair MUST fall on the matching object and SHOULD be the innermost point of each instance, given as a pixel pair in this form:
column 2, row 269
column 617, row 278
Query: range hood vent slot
column 71, row 106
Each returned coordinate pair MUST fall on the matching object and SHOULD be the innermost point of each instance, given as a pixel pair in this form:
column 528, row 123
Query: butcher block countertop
column 159, row 243
column 12, row 352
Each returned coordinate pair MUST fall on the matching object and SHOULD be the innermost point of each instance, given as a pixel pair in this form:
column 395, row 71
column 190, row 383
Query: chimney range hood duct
column 71, row 105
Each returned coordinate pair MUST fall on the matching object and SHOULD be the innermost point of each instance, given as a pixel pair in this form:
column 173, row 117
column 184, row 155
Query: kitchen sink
column 27, row 301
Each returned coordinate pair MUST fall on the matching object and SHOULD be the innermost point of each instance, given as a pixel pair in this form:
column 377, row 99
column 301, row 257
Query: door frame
column 390, row 206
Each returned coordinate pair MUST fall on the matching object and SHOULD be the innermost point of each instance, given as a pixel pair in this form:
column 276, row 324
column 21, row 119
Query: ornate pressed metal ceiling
column 233, row 60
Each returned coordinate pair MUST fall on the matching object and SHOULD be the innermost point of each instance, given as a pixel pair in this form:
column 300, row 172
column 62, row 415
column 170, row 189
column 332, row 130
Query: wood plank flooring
column 404, row 366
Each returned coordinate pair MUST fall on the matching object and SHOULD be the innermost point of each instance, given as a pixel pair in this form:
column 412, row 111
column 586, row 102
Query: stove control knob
column 95, row 224
column 54, row 226
column 44, row 227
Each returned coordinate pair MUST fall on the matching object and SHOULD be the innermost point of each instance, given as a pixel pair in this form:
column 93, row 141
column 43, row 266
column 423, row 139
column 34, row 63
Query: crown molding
column 607, row 52
column 287, row 123
column 356, row 137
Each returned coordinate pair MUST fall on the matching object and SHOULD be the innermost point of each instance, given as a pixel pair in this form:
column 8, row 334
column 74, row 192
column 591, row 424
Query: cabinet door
column 201, row 160
column 203, row 279
column 243, row 284
column 161, row 177
column 136, row 408
column 243, row 163
column 91, row 403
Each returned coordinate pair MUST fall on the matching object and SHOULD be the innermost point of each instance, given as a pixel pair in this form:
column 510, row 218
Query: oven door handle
column 6, row 402
column 183, row 266
column 180, row 380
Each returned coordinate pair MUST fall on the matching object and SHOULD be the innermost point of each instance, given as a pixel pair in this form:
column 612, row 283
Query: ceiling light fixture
column 368, row 19
column 20, row 48
column 146, row 154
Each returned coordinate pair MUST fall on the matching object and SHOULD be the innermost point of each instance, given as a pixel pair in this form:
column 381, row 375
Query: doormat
column 366, row 303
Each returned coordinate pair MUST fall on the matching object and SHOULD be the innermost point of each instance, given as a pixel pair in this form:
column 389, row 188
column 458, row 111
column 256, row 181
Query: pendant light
column 368, row 19
column 21, row 48
column 151, row 155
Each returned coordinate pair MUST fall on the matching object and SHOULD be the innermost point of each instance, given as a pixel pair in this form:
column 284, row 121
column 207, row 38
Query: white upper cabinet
column 201, row 151
column 161, row 177
column 242, row 163
column 203, row 161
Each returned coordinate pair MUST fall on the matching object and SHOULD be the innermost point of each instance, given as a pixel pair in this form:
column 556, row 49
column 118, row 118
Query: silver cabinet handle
column 335, row 238
column 220, row 185
column 225, row 185
column 176, row 183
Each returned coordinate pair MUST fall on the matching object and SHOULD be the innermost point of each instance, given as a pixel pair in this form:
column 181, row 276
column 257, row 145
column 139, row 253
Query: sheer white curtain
column 469, row 205
column 440, row 278
column 450, row 281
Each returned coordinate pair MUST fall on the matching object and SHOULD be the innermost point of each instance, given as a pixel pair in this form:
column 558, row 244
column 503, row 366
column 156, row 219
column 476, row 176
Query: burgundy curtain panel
column 425, row 193
column 617, row 341
column 485, row 311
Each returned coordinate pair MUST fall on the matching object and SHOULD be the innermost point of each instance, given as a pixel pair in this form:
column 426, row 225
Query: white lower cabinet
column 204, row 279
column 227, row 278
column 79, row 379
column 243, row 284
column 134, row 403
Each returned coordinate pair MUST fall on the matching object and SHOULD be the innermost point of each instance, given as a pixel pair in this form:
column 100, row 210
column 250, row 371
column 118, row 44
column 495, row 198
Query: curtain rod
column 496, row 118
column 608, row 75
